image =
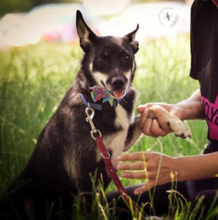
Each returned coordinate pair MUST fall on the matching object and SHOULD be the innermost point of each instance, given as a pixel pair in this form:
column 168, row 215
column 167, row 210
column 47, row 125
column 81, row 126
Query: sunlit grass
column 34, row 79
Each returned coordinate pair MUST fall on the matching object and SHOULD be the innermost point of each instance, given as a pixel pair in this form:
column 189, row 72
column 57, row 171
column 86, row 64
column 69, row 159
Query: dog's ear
column 85, row 34
column 131, row 38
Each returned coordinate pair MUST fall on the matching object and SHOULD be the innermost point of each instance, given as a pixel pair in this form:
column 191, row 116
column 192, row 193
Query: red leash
column 96, row 135
column 110, row 168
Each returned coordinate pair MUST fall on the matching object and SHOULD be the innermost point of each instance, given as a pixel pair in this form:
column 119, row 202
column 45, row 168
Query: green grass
column 34, row 79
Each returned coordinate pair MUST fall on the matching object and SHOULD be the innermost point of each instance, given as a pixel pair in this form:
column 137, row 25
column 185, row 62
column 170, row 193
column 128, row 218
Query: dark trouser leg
column 156, row 202
column 205, row 205
column 206, row 191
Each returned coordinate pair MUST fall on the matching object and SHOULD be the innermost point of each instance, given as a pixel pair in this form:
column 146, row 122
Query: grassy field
column 34, row 79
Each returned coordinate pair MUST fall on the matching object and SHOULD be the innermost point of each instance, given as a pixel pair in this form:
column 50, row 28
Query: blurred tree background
column 10, row 6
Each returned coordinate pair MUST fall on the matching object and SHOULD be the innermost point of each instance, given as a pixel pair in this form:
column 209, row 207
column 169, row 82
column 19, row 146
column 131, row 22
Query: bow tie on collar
column 99, row 93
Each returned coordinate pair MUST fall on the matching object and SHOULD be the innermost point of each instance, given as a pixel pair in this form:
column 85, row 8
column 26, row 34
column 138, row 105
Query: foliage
column 11, row 6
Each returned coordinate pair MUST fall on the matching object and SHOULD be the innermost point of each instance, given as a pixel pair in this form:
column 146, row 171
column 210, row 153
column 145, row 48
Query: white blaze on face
column 128, row 76
column 98, row 77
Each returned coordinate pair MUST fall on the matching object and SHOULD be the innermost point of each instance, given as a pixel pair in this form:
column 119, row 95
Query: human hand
column 154, row 127
column 164, row 121
column 190, row 108
column 155, row 168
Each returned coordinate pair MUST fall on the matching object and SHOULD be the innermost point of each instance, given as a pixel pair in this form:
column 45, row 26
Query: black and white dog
column 65, row 154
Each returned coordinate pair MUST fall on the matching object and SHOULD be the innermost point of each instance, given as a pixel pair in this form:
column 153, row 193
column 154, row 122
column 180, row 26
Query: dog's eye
column 126, row 58
column 101, row 60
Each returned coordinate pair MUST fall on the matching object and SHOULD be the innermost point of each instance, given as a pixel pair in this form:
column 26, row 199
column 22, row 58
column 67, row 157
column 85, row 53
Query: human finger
column 153, row 127
column 146, row 127
column 159, row 114
column 155, row 130
column 134, row 175
column 143, row 118
column 141, row 108
column 131, row 156
column 147, row 186
column 166, row 106
column 131, row 166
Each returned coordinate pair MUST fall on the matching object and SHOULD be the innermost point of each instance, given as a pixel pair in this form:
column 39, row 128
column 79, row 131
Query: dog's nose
column 118, row 83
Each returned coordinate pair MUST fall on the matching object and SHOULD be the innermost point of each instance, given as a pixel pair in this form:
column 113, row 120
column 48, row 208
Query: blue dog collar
column 98, row 106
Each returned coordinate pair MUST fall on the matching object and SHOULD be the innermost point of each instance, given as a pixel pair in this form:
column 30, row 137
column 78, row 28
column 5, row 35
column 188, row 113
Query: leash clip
column 90, row 112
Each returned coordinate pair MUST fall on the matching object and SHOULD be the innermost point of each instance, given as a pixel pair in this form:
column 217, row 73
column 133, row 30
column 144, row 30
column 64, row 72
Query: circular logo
column 168, row 17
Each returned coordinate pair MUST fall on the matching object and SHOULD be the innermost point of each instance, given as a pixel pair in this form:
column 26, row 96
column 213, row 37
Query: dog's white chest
column 116, row 142
column 121, row 118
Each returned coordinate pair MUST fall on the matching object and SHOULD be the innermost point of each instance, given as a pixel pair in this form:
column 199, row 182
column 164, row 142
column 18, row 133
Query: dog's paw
column 179, row 128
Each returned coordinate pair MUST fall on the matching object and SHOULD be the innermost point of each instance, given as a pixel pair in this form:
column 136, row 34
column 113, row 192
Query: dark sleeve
column 193, row 73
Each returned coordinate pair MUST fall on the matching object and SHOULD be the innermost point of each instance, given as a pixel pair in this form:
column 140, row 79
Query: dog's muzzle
column 117, row 86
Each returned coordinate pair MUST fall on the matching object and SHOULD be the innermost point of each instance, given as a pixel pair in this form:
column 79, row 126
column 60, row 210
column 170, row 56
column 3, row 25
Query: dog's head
column 110, row 60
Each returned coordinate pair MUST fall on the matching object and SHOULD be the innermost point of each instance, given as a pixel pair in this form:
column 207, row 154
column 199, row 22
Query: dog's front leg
column 133, row 135
column 85, row 186
column 178, row 127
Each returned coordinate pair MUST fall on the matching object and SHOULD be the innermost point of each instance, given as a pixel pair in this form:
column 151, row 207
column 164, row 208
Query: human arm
column 159, row 168
column 190, row 108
